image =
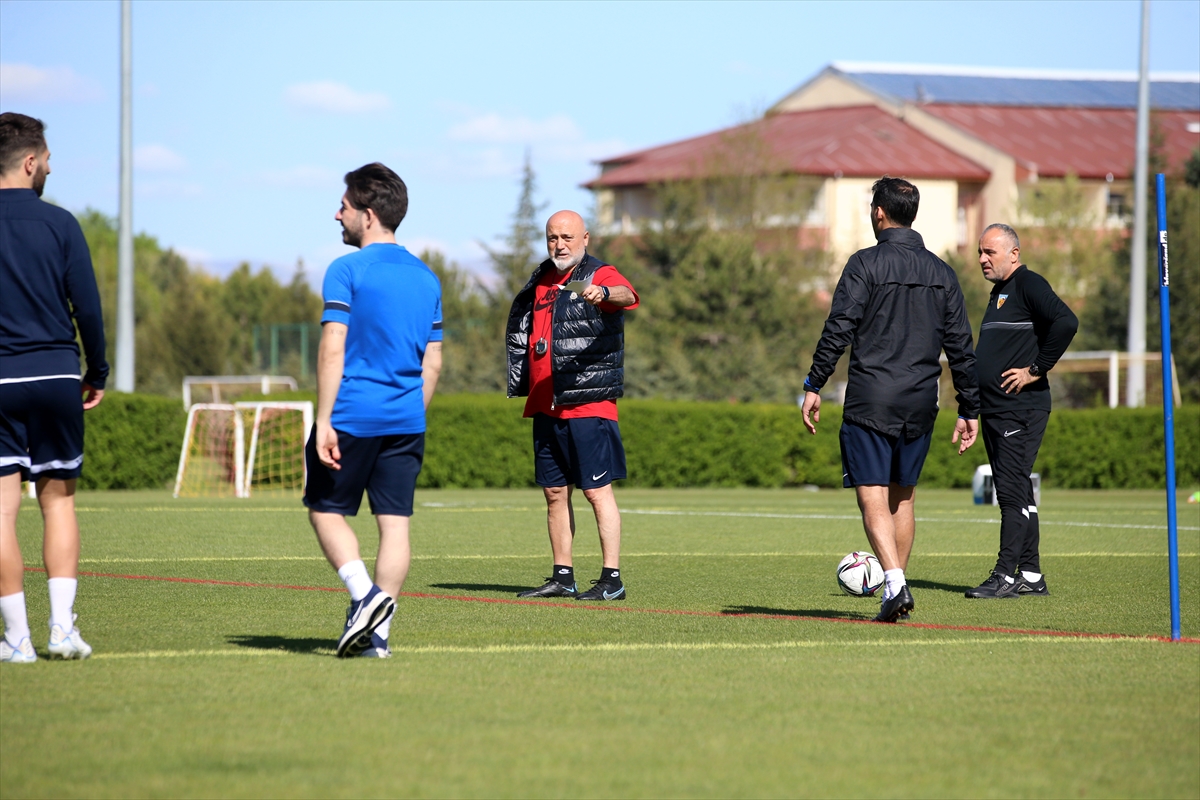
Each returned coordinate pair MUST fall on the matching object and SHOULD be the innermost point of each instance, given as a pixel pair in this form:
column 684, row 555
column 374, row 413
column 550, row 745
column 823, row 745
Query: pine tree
column 522, row 246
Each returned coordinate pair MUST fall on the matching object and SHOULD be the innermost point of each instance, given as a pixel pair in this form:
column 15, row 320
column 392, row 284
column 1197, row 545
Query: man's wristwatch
column 605, row 288
column 1035, row 371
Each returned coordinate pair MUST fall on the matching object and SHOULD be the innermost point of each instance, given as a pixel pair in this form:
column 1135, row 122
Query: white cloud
column 157, row 158
column 495, row 129
column 334, row 98
column 303, row 177
column 29, row 84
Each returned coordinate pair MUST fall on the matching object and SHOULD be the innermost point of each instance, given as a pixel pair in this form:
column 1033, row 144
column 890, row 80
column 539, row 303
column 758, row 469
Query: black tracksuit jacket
column 1025, row 323
column 897, row 306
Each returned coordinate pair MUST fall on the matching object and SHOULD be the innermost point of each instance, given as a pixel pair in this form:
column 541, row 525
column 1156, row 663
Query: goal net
column 231, row 450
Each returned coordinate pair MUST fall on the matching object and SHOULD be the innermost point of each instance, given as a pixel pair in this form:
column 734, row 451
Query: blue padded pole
column 1164, row 305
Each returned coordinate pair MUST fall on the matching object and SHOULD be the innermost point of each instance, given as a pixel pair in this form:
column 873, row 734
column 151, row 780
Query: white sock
column 1032, row 577
column 384, row 629
column 894, row 579
column 356, row 578
column 16, row 624
column 62, row 600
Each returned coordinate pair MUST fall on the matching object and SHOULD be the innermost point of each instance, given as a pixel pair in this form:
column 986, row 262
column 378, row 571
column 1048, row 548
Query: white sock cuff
column 62, row 601
column 1033, row 577
column 358, row 581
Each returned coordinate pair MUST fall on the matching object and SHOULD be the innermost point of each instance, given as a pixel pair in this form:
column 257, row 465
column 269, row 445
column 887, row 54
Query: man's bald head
column 566, row 239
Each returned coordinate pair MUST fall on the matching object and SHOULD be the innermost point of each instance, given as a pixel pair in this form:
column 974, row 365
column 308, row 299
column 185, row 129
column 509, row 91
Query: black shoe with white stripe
column 1028, row 588
column 997, row 587
column 604, row 590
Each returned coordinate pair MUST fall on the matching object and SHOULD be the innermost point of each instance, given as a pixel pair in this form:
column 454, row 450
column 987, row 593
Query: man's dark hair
column 898, row 198
column 19, row 134
column 376, row 187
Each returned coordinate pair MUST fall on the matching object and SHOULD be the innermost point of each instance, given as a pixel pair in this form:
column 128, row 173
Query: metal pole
column 1135, row 389
column 125, row 367
column 1164, row 306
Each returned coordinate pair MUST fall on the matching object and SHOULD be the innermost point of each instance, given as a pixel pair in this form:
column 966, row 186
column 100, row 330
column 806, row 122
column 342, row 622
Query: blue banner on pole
column 1164, row 303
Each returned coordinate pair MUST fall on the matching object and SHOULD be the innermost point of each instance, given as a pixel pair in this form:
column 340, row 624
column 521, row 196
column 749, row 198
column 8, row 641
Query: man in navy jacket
column 48, row 288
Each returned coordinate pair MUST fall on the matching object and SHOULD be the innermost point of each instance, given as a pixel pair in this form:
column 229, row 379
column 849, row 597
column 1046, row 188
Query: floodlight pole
column 124, row 377
column 1164, row 307
column 1135, row 387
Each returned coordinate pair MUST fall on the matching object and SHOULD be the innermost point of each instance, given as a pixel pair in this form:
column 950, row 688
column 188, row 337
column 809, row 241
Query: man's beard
column 39, row 180
column 562, row 265
column 351, row 237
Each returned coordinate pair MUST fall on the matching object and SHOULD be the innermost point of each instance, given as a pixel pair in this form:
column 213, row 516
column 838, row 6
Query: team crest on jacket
column 1000, row 301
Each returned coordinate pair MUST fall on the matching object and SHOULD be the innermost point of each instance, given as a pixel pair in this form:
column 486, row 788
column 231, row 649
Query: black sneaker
column 899, row 606
column 997, row 586
column 1027, row 588
column 552, row 588
column 602, row 590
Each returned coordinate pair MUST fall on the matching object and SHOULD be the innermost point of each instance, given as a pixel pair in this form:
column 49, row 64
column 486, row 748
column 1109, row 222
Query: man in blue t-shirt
column 377, row 368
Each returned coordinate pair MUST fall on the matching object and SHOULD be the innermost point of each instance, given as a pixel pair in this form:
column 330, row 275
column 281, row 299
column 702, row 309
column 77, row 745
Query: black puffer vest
column 587, row 345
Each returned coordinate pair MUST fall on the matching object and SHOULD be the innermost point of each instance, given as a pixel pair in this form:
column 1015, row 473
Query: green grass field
column 766, row 685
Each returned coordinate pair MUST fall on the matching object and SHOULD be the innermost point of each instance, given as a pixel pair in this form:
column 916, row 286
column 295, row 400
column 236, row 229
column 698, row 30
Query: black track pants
column 1012, row 439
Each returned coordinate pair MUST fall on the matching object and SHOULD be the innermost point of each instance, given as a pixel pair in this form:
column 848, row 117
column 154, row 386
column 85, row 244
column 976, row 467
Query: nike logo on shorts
column 1010, row 433
column 601, row 475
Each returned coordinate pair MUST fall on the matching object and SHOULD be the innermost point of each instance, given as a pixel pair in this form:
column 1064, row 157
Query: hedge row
column 133, row 441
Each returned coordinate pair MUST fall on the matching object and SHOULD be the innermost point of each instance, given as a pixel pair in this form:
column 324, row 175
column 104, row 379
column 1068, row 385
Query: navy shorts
column 871, row 458
column 41, row 428
column 385, row 466
column 586, row 452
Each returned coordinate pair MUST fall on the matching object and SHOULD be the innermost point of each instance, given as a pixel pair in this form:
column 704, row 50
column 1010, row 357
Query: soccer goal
column 214, row 461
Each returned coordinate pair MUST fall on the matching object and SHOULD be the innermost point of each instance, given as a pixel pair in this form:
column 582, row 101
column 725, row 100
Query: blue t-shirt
column 392, row 305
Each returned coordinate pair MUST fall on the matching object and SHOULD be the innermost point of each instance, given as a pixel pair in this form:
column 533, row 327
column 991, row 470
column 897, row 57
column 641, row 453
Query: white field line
column 219, row 559
column 655, row 512
column 637, row 647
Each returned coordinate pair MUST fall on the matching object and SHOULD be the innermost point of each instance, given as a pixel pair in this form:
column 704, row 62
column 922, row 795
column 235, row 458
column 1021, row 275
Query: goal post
column 212, row 460
column 231, row 449
column 278, row 434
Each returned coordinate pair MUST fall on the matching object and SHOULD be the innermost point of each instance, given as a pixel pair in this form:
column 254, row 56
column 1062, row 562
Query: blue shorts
column 386, row 467
column 586, row 452
column 41, row 428
column 871, row 458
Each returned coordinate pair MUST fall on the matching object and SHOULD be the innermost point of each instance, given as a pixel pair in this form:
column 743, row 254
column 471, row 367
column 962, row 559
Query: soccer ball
column 860, row 574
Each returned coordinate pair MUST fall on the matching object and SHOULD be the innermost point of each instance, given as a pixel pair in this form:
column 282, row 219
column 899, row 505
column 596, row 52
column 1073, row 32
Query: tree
column 472, row 353
column 522, row 249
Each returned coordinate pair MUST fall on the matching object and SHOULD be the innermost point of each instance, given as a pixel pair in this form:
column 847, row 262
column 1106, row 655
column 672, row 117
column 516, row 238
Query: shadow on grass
column 940, row 587
column 481, row 587
column 308, row 646
column 824, row 613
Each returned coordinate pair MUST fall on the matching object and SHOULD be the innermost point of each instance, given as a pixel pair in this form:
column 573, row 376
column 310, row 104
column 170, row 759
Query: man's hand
column 617, row 295
column 966, row 430
column 91, row 396
column 327, row 446
column 1016, row 379
column 812, row 404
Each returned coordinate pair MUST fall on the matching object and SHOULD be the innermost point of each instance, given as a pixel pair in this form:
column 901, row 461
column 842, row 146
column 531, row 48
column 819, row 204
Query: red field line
column 677, row 611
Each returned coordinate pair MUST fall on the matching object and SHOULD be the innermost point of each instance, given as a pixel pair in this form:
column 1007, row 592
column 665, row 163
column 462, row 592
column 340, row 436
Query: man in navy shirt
column 377, row 368
column 49, row 288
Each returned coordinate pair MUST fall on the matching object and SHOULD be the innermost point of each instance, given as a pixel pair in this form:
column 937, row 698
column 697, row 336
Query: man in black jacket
column 897, row 306
column 1025, row 330
column 566, row 352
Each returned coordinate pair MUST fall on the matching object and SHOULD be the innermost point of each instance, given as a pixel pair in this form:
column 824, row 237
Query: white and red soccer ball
column 860, row 574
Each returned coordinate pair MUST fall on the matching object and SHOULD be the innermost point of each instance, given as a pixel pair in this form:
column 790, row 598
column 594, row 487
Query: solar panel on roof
column 1013, row 91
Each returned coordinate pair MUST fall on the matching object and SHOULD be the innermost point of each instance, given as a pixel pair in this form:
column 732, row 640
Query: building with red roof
column 976, row 142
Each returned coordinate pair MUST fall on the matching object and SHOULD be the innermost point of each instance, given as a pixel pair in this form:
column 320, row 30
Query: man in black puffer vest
column 566, row 353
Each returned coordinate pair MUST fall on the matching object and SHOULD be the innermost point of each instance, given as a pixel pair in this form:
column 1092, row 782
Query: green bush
column 475, row 440
column 132, row 441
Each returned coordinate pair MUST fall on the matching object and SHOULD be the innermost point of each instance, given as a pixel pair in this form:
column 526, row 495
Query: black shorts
column 386, row 467
column 586, row 452
column 41, row 427
column 871, row 458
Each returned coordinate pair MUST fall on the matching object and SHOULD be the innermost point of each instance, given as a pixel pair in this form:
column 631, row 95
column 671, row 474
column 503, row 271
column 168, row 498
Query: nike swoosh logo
column 1010, row 433
column 617, row 593
column 601, row 475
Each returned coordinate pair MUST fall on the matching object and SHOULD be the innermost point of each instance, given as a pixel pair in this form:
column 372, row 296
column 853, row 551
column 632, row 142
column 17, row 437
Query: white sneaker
column 23, row 653
column 68, row 645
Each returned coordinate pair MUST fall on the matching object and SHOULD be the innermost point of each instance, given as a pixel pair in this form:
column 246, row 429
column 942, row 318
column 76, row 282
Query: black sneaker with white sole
column 1028, row 588
column 361, row 621
column 603, row 590
column 898, row 607
column 552, row 588
column 996, row 587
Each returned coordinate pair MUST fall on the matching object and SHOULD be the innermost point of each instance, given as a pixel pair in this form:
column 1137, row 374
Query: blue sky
column 246, row 114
